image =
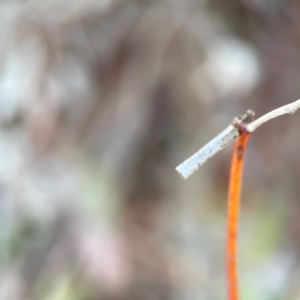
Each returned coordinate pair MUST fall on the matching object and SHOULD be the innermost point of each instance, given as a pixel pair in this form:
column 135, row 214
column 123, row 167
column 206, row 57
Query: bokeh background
column 100, row 100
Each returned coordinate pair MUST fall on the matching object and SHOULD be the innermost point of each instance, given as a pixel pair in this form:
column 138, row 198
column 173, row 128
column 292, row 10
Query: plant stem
column 286, row 109
column 234, row 191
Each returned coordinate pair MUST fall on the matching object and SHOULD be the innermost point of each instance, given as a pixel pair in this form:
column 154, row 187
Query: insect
column 238, row 132
column 225, row 138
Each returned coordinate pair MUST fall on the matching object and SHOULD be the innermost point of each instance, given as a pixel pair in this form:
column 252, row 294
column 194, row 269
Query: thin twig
column 227, row 136
column 286, row 109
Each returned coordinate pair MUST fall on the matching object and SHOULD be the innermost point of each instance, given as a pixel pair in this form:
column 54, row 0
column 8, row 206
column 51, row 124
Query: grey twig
column 228, row 135
column 286, row 109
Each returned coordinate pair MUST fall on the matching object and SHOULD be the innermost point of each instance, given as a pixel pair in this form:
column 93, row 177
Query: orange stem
column 235, row 182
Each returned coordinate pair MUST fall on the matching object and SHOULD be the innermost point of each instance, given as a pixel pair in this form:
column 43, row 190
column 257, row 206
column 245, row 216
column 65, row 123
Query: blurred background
column 99, row 102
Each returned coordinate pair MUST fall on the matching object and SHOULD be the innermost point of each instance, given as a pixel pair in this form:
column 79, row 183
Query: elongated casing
column 189, row 166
